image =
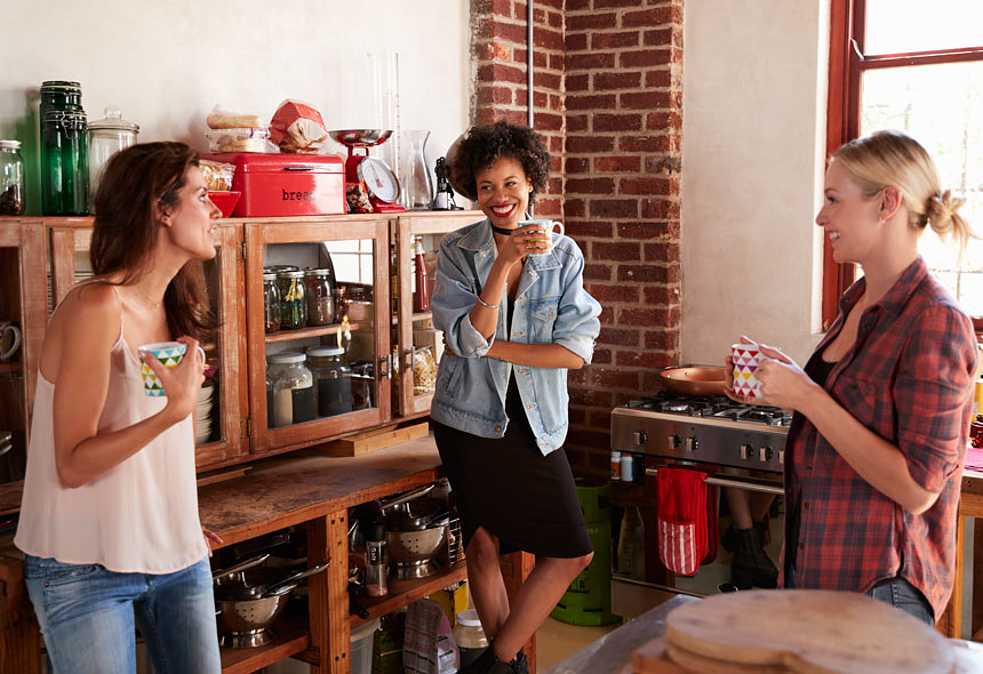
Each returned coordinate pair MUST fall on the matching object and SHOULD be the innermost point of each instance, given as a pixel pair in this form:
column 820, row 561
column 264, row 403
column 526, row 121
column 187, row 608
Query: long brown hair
column 135, row 181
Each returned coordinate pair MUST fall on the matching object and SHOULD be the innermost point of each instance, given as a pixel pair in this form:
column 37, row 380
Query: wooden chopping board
column 808, row 632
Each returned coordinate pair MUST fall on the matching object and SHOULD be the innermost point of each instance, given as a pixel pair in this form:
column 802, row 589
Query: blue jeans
column 88, row 614
column 901, row 594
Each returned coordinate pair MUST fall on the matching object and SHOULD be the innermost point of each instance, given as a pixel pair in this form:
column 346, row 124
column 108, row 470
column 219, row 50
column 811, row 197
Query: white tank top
column 139, row 517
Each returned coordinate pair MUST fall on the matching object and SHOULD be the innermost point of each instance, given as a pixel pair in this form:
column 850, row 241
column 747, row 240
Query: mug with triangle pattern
column 746, row 358
column 170, row 354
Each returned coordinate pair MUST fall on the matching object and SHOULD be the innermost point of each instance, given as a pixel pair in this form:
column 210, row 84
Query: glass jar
column 334, row 380
column 271, row 302
column 319, row 292
column 106, row 137
column 293, row 308
column 469, row 636
column 294, row 399
column 64, row 163
column 11, row 178
column 424, row 371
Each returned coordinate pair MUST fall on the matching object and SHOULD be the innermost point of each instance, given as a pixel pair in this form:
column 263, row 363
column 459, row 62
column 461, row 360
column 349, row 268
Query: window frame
column 847, row 63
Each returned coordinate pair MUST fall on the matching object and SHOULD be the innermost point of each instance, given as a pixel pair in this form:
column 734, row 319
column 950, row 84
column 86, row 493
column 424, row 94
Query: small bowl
column 226, row 201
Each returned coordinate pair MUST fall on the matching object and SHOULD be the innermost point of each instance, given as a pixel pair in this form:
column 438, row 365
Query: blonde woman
column 882, row 408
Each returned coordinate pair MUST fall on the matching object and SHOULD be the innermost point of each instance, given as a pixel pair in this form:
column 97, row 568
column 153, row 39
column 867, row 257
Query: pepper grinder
column 376, row 564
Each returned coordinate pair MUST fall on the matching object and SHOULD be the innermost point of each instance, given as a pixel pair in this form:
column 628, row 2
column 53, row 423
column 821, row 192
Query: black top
column 818, row 370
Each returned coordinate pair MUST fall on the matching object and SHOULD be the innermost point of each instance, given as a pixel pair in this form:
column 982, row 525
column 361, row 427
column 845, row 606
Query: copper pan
column 695, row 381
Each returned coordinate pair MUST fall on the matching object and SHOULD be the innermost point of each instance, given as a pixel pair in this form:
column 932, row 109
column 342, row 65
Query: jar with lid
column 294, row 399
column 469, row 637
column 64, row 163
column 293, row 308
column 319, row 292
column 271, row 302
column 334, row 380
column 106, row 137
column 11, row 178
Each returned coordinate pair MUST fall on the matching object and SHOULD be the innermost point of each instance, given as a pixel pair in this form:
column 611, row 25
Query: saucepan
column 695, row 380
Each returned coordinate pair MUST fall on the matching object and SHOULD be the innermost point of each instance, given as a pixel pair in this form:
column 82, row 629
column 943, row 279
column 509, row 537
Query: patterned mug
column 746, row 358
column 170, row 354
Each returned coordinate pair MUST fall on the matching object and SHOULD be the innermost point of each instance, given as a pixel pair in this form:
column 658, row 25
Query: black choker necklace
column 504, row 231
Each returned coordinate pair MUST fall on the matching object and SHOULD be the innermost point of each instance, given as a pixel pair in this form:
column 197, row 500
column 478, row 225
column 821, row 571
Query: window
column 917, row 67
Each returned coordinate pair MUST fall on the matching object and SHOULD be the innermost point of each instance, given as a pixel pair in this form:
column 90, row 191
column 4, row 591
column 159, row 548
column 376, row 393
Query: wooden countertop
column 305, row 485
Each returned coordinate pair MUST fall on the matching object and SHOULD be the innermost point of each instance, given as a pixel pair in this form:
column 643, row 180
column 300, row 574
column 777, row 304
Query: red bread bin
column 281, row 184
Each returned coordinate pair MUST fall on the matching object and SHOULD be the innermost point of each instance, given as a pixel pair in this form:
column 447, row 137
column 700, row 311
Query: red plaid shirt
column 909, row 379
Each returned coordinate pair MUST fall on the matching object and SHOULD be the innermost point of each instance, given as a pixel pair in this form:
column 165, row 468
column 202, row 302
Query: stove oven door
column 638, row 571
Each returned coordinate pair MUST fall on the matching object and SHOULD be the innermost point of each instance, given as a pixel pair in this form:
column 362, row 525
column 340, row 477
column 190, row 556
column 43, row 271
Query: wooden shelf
column 291, row 636
column 404, row 593
column 305, row 333
column 425, row 316
column 10, row 367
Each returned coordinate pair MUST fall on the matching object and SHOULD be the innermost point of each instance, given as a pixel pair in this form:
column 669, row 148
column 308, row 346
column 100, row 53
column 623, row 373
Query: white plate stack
column 203, row 414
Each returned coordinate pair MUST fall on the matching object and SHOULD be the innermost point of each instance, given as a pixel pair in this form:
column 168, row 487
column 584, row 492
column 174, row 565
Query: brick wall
column 499, row 53
column 609, row 97
column 623, row 78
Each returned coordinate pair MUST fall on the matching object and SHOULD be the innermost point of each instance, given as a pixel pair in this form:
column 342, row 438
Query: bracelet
column 486, row 305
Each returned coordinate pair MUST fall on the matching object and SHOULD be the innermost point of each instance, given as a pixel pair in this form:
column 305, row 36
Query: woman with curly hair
column 511, row 303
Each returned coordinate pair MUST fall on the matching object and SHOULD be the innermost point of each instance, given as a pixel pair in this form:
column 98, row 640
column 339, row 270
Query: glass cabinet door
column 318, row 322
column 219, row 416
column 23, row 259
column 420, row 346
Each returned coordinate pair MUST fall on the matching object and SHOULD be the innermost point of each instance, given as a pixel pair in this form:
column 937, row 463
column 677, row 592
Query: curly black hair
column 482, row 146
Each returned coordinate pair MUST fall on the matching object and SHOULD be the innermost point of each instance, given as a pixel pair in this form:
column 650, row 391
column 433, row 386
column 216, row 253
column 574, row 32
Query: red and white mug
column 746, row 358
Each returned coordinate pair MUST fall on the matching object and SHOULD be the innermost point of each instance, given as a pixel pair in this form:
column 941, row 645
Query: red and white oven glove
column 682, row 519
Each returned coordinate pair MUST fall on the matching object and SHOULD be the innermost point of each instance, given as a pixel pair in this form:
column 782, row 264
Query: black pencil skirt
column 527, row 500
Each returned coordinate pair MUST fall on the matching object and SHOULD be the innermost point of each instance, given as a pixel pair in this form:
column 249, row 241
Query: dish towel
column 682, row 519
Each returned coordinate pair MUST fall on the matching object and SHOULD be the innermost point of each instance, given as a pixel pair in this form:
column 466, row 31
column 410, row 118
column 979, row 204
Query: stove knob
column 692, row 444
column 746, row 452
column 764, row 454
column 640, row 438
column 673, row 441
column 781, row 457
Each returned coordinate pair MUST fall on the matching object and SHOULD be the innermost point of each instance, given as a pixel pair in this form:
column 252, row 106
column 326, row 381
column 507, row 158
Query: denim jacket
column 551, row 307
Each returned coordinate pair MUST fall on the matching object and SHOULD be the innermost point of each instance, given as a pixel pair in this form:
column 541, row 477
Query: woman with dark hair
column 109, row 519
column 511, row 303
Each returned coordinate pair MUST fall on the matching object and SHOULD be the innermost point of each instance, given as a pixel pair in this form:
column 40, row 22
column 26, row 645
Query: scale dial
column 379, row 179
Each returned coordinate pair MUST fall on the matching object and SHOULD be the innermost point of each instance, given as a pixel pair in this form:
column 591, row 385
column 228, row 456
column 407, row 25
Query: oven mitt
column 682, row 519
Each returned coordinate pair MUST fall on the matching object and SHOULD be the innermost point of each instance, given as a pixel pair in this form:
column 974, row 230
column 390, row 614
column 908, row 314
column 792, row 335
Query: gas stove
column 706, row 430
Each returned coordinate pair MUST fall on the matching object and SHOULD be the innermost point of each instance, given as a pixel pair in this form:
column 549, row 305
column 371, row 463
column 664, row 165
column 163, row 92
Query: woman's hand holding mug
column 167, row 372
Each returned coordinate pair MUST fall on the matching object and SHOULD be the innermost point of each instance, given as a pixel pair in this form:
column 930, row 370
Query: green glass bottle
column 64, row 149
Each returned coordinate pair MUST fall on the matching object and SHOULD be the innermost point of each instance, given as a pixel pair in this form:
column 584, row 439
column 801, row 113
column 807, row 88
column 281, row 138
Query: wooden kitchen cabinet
column 23, row 258
column 71, row 240
column 304, row 242
column 413, row 331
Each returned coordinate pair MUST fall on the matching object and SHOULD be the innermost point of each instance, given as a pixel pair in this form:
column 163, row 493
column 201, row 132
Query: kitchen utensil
column 234, row 576
column 245, row 623
column 694, row 381
column 225, row 201
column 808, row 631
column 388, row 506
column 106, row 137
column 280, row 586
column 375, row 188
column 444, row 199
column 413, row 552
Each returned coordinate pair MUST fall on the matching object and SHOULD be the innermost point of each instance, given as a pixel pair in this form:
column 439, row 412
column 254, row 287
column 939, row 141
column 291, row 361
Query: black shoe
column 751, row 566
column 762, row 526
column 488, row 663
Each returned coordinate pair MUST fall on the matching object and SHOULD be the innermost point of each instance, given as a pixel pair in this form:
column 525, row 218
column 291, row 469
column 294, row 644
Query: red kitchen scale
column 370, row 185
